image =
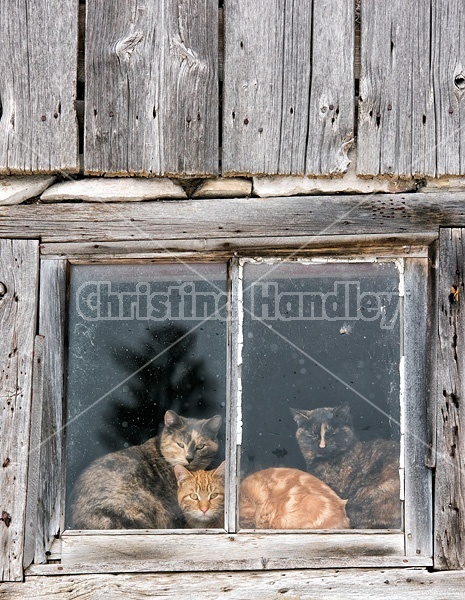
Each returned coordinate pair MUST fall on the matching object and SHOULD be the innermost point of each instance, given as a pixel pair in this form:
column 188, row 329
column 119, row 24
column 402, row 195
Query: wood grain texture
column 32, row 494
column 384, row 245
column 449, row 526
column 353, row 584
column 432, row 356
column 234, row 386
column 418, row 478
column 236, row 218
column 18, row 307
column 52, row 326
column 38, row 129
column 163, row 553
column 151, row 87
column 448, row 65
column 284, row 111
column 396, row 127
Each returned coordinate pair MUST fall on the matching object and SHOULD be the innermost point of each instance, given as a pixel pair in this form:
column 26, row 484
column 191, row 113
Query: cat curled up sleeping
column 275, row 498
column 201, row 496
column 366, row 473
column 136, row 488
column 283, row 498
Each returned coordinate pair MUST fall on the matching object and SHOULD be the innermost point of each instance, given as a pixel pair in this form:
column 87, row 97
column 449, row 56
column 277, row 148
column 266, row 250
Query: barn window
column 278, row 349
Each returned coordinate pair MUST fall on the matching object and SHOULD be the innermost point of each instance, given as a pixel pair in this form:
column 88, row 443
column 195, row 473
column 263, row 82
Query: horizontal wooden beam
column 236, row 218
column 341, row 245
column 82, row 554
column 408, row 584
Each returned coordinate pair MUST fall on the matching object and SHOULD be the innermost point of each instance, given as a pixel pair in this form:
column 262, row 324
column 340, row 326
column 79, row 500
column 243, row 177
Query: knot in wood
column 459, row 81
column 6, row 518
column 126, row 46
column 3, row 289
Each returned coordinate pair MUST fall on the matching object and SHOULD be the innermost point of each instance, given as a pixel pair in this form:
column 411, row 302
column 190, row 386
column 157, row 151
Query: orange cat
column 279, row 498
column 201, row 496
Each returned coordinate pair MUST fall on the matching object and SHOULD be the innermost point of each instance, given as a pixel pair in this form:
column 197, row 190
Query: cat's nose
column 189, row 458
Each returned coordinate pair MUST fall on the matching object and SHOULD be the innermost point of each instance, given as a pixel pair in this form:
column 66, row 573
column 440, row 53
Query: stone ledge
column 224, row 187
column 17, row 189
column 451, row 184
column 349, row 184
column 114, row 190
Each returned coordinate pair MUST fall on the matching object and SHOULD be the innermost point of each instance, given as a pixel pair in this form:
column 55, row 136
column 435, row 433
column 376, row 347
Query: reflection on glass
column 320, row 381
column 146, row 392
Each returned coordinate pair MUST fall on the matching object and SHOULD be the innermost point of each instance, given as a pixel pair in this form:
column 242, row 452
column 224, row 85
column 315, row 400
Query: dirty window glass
column 147, row 352
column 320, row 396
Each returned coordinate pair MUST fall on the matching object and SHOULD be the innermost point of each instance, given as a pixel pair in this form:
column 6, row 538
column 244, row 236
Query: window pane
column 321, row 388
column 147, row 347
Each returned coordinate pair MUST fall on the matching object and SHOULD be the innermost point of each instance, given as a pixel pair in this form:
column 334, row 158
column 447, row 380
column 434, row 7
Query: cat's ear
column 172, row 419
column 299, row 417
column 212, row 426
column 342, row 412
column 220, row 471
column 181, row 474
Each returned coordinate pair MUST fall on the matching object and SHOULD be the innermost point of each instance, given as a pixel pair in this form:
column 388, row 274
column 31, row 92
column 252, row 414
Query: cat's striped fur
column 136, row 488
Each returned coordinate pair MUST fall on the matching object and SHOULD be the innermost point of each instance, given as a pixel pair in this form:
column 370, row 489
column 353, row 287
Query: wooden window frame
column 101, row 551
column 409, row 226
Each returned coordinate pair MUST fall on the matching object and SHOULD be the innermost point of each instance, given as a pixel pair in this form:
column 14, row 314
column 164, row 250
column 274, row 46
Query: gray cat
column 136, row 488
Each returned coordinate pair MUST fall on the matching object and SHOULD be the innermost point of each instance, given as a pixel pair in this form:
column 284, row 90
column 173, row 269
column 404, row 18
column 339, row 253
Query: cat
column 201, row 496
column 366, row 473
column 283, row 498
column 135, row 488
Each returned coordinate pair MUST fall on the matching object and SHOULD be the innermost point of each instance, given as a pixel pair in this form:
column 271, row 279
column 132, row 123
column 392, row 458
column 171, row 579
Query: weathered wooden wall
column 157, row 103
column 285, row 111
column 353, row 584
column 19, row 271
column 151, row 87
column 412, row 87
column 38, row 128
column 449, row 525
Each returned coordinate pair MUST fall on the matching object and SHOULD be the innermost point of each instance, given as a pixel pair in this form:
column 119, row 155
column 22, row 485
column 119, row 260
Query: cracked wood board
column 18, row 308
column 449, row 550
column 38, row 63
column 285, row 111
column 151, row 88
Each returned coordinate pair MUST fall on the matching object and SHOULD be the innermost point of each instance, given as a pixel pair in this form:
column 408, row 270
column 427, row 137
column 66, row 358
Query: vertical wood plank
column 331, row 112
column 38, row 129
column 234, row 421
column 448, row 66
column 18, row 308
column 52, row 327
column 32, row 509
column 283, row 107
column 432, row 355
column 396, row 127
column 449, row 526
column 152, row 87
column 418, row 478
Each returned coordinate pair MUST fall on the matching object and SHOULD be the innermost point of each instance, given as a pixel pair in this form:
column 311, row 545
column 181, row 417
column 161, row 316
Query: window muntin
column 290, row 278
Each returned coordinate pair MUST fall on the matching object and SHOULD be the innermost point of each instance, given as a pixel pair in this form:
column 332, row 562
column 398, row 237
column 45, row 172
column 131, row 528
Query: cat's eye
column 193, row 496
column 180, row 444
column 213, row 496
column 200, row 446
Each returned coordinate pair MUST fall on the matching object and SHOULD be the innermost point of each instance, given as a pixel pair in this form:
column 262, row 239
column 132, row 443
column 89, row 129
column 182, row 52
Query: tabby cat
column 201, row 496
column 135, row 488
column 366, row 473
column 281, row 498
